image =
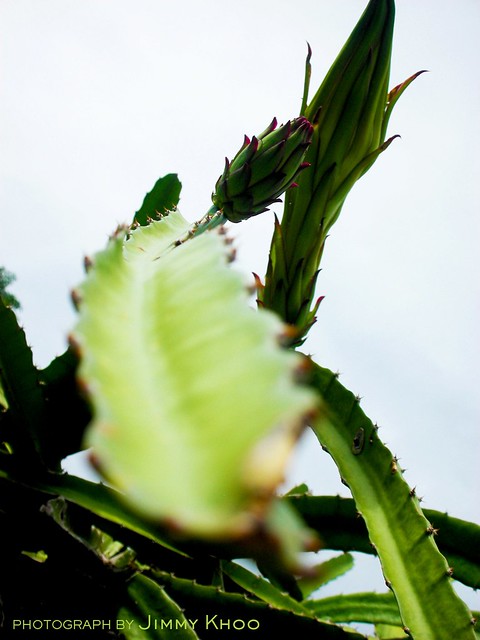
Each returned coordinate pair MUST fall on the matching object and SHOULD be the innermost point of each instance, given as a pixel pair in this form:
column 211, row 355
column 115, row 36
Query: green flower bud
column 349, row 114
column 264, row 168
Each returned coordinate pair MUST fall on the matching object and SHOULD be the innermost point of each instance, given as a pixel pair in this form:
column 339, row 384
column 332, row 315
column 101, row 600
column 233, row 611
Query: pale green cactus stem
column 349, row 113
column 262, row 170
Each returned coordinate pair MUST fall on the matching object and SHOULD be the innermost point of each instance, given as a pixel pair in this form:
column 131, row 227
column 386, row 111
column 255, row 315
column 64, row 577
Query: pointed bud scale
column 263, row 169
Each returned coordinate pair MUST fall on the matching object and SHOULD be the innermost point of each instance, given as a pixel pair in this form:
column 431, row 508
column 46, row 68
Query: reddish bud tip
column 309, row 52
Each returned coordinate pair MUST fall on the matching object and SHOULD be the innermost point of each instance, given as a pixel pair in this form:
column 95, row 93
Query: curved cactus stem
column 63, row 398
column 325, row 572
column 151, row 614
column 101, row 500
column 341, row 528
column 413, row 567
column 214, row 606
column 262, row 589
column 21, row 425
column 372, row 608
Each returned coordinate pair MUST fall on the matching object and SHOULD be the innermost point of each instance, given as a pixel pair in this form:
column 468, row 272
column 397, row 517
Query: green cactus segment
column 390, row 632
column 262, row 170
column 262, row 589
column 325, row 572
column 338, row 522
column 459, row 541
column 151, row 614
column 349, row 114
column 413, row 567
column 218, row 610
column 191, row 443
column 373, row 608
column 6, row 279
column 67, row 413
column 21, row 426
column 163, row 197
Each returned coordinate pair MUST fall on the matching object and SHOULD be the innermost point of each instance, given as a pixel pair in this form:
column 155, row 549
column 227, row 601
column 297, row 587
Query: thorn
column 258, row 283
column 413, row 492
column 84, row 388
column 76, row 298
column 407, row 631
column 431, row 531
column 87, row 263
column 388, row 583
column 393, row 466
column 73, row 343
column 450, row 571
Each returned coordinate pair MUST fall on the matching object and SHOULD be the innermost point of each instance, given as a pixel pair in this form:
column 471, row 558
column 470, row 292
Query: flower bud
column 264, row 168
column 349, row 114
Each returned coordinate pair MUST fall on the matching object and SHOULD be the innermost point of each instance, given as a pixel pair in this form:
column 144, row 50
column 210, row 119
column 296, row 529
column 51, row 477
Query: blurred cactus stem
column 263, row 169
column 350, row 114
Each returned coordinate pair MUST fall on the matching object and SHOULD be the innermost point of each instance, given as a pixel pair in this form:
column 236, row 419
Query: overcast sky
column 99, row 98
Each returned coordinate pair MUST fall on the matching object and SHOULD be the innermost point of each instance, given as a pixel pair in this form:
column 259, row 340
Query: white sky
column 99, row 98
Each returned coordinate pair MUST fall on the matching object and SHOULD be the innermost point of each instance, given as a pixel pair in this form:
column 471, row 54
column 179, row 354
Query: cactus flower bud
column 349, row 113
column 264, row 168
